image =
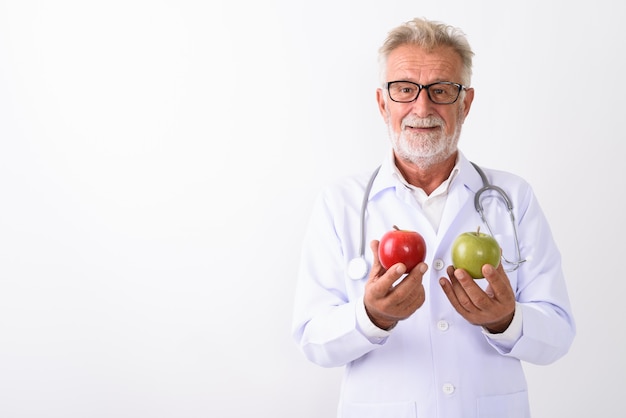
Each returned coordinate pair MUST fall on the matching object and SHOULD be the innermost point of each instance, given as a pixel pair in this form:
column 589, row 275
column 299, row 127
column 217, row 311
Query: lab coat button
column 442, row 325
column 448, row 388
column 438, row 264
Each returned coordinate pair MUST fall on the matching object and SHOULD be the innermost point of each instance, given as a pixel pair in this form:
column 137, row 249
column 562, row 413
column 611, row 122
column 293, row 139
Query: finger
column 452, row 282
column 377, row 269
column 380, row 281
column 499, row 283
column 479, row 299
column 455, row 292
column 413, row 279
column 452, row 296
column 384, row 283
column 450, row 271
column 374, row 247
column 469, row 294
column 461, row 278
column 447, row 289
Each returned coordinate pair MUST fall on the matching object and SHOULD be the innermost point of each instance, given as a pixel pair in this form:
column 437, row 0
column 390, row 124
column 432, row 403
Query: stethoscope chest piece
column 357, row 268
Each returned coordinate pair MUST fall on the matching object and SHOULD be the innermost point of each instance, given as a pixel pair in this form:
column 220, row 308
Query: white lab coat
column 435, row 363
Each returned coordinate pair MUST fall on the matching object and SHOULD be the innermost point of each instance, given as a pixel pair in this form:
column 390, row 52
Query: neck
column 427, row 178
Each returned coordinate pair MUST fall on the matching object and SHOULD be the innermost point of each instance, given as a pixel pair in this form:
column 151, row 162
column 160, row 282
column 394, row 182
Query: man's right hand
column 387, row 304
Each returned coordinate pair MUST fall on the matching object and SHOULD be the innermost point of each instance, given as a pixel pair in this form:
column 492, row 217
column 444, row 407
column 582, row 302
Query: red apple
column 472, row 250
column 401, row 246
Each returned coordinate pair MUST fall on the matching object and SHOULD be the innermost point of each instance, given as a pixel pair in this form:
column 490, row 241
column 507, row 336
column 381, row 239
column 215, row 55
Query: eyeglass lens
column 440, row 93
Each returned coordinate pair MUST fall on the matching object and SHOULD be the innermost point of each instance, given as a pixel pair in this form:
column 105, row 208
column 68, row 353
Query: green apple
column 472, row 250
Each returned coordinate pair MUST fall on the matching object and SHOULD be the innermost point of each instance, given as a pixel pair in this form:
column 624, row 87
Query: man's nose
column 422, row 105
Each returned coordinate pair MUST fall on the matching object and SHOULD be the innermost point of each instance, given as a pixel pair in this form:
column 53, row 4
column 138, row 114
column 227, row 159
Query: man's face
column 423, row 132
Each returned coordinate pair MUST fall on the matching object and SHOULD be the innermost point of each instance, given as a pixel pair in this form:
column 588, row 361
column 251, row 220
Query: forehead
column 412, row 62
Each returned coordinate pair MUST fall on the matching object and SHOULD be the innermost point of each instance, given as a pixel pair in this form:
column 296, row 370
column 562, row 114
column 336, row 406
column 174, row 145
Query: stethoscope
column 358, row 268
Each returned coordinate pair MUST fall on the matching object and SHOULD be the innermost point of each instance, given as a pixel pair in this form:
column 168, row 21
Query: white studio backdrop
column 159, row 159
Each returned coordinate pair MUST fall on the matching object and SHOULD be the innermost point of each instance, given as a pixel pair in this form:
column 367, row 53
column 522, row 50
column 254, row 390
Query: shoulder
column 347, row 188
column 505, row 176
column 518, row 189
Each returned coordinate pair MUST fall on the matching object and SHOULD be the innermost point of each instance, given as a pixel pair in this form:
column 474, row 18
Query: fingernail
column 400, row 269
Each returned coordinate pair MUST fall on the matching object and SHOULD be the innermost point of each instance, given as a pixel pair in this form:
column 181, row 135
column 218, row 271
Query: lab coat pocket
column 379, row 410
column 513, row 405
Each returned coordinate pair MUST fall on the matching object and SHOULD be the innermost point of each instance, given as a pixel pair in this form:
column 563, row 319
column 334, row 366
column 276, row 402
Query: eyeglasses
column 443, row 92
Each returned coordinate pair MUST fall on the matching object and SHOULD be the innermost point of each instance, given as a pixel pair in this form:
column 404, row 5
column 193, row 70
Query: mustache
column 417, row 122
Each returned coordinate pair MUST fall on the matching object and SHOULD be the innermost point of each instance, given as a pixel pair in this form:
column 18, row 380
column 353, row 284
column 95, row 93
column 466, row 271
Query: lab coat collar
column 467, row 176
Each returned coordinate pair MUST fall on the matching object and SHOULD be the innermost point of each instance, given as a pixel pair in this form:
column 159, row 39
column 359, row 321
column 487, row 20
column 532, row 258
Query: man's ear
column 467, row 101
column 382, row 105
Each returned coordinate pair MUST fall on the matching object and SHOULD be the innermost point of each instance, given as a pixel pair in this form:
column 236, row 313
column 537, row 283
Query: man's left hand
column 492, row 308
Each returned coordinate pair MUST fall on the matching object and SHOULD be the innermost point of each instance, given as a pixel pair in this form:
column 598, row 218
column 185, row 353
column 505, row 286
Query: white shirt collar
column 432, row 205
column 442, row 189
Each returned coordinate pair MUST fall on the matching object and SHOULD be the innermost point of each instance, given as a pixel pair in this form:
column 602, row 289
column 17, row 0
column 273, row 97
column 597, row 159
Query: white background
column 159, row 159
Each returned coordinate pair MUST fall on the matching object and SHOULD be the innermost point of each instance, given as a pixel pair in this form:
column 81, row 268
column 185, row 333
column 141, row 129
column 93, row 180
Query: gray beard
column 425, row 150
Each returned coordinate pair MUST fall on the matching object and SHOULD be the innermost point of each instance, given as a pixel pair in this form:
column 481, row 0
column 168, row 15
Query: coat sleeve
column 548, row 326
column 324, row 319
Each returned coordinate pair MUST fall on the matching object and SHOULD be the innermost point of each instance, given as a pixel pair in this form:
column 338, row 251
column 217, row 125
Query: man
column 430, row 342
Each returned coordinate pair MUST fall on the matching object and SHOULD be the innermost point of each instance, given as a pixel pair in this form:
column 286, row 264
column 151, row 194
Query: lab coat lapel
column 460, row 200
column 457, row 206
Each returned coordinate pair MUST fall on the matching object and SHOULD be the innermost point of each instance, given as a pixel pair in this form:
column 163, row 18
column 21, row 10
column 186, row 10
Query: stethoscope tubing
column 357, row 267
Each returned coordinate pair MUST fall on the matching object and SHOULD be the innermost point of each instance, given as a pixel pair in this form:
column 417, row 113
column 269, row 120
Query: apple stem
column 478, row 230
column 396, row 228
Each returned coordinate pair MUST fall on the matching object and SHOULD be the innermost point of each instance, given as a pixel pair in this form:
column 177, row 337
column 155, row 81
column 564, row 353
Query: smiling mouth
column 420, row 127
column 415, row 124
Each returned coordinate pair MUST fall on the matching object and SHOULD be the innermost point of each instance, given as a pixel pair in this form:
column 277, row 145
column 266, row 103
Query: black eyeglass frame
column 426, row 87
